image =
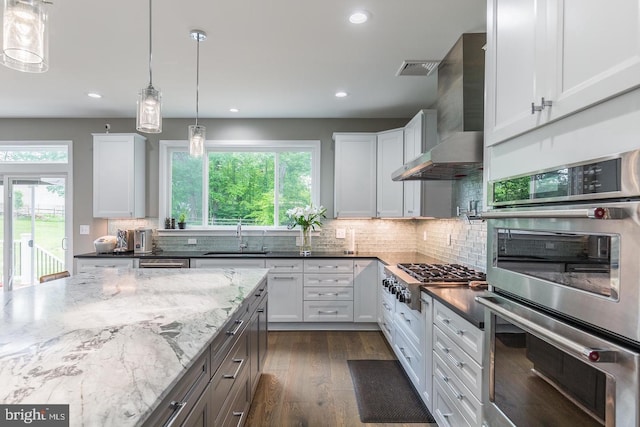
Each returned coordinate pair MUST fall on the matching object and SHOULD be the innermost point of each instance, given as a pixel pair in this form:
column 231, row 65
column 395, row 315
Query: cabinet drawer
column 335, row 311
column 321, row 293
column 235, row 410
column 227, row 263
column 328, row 266
column 444, row 410
column 409, row 357
column 467, row 403
column 388, row 307
column 257, row 296
column 84, row 265
column 328, row 280
column 460, row 363
column 463, row 333
column 284, row 265
column 233, row 367
column 410, row 322
column 186, row 393
column 388, row 297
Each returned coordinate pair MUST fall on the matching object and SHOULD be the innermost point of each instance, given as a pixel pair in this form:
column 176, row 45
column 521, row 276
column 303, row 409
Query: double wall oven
column 563, row 318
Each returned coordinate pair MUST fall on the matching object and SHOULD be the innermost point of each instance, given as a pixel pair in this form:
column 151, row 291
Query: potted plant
column 182, row 220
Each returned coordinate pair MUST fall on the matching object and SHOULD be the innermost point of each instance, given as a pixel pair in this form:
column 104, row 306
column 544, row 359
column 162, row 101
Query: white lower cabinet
column 386, row 310
column 328, row 290
column 426, row 391
column 285, row 288
column 365, row 290
column 88, row 264
column 457, row 369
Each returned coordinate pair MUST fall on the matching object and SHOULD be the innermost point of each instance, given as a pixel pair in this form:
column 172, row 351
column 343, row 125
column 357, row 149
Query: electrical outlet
column 84, row 229
column 341, row 233
column 192, row 241
column 424, row 235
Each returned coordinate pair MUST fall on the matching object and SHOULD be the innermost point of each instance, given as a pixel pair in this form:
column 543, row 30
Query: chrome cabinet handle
column 459, row 332
column 405, row 318
column 327, row 311
column 238, row 414
column 283, row 278
column 235, row 331
column 177, row 408
column 406, row 356
column 543, row 104
column 235, row 374
column 328, row 294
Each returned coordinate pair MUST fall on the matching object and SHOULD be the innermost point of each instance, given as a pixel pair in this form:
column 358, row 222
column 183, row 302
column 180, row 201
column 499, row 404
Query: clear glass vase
column 305, row 241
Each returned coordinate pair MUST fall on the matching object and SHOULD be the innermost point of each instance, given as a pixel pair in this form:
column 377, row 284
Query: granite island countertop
column 112, row 343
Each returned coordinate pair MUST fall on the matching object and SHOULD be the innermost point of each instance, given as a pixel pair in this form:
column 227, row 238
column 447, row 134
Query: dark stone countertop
column 460, row 299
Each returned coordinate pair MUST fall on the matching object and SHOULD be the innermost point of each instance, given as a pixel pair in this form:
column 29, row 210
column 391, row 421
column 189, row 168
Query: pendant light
column 149, row 111
column 25, row 35
column 197, row 133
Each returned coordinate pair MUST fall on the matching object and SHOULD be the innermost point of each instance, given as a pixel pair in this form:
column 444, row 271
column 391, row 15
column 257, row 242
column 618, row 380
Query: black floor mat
column 385, row 394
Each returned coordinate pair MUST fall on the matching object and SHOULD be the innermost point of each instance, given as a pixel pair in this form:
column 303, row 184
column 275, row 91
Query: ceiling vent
column 422, row 67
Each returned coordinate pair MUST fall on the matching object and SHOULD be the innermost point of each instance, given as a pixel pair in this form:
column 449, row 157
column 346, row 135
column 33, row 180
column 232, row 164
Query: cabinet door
column 118, row 176
column 390, row 158
column 285, row 297
column 365, row 291
column 512, row 62
column 200, row 415
column 427, row 349
column 355, row 175
column 412, row 149
column 597, row 51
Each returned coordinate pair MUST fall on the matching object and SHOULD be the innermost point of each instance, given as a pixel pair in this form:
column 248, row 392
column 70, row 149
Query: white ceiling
column 268, row 58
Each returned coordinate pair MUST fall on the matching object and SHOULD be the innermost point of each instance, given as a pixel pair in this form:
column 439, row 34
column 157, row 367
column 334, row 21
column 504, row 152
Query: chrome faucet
column 241, row 246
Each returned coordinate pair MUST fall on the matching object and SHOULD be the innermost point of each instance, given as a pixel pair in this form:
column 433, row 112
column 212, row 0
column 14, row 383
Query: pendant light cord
column 197, row 77
column 150, row 45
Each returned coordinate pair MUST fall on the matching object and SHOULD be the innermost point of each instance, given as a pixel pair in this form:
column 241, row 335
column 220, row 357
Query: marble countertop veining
column 112, row 343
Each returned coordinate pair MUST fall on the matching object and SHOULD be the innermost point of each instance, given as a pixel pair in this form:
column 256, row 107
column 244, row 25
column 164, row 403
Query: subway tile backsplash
column 455, row 240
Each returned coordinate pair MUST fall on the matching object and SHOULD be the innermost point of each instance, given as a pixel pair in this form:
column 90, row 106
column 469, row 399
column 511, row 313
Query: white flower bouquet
column 307, row 217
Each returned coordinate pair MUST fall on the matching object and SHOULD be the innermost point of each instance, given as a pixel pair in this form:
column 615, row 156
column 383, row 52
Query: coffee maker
column 142, row 241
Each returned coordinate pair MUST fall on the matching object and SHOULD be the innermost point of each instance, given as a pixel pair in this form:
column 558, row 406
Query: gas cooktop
column 443, row 273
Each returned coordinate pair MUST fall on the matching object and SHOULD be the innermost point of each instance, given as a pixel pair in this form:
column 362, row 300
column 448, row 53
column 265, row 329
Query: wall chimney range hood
column 460, row 116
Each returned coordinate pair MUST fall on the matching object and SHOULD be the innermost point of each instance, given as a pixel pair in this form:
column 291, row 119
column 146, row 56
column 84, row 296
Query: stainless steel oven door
column 580, row 261
column 545, row 372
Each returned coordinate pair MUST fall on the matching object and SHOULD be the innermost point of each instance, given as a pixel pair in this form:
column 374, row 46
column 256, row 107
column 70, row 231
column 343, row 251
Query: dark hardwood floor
column 306, row 380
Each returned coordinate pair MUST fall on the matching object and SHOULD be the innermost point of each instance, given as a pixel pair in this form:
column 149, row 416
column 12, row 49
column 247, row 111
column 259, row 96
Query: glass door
column 37, row 228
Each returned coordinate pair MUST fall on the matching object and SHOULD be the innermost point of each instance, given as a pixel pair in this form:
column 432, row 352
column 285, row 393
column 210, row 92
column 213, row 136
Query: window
column 254, row 182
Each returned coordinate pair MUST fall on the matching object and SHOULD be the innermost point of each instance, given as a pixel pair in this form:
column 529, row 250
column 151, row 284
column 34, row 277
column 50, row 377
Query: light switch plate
column 341, row 233
column 192, row 241
column 85, row 229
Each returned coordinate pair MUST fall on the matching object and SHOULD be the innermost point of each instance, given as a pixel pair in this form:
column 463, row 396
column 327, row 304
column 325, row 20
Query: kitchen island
column 114, row 343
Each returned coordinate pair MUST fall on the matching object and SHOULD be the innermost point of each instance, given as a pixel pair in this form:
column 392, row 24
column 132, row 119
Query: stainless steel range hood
column 460, row 116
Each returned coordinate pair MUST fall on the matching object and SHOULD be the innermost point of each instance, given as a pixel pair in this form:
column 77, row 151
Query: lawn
column 49, row 232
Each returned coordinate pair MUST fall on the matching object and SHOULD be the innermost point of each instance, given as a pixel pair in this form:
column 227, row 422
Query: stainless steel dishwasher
column 163, row 263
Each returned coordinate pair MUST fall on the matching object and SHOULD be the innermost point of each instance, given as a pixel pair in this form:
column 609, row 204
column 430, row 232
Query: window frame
column 167, row 147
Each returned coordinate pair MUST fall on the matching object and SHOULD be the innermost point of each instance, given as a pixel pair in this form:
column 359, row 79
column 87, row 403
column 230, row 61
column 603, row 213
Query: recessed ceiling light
column 94, row 95
column 234, row 110
column 359, row 17
column 341, row 94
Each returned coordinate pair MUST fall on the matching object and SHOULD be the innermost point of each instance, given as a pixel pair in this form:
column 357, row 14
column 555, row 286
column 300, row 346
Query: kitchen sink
column 234, row 253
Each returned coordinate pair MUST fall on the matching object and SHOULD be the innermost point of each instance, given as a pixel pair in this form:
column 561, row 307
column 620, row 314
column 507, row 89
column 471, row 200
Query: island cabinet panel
column 218, row 389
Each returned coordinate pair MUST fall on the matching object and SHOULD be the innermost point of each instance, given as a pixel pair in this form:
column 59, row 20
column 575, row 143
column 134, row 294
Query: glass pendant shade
column 149, row 117
column 25, row 36
column 197, row 137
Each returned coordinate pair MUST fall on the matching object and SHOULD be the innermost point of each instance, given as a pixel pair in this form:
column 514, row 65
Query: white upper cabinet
column 572, row 53
column 390, row 158
column 355, row 175
column 424, row 198
column 119, row 175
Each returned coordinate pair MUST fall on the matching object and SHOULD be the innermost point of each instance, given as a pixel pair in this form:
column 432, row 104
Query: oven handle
column 569, row 346
column 590, row 213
